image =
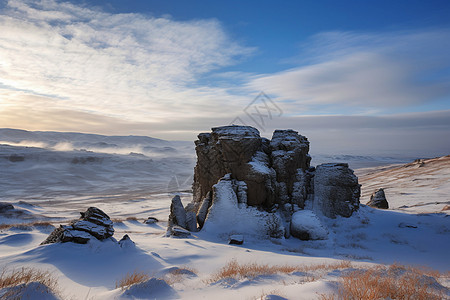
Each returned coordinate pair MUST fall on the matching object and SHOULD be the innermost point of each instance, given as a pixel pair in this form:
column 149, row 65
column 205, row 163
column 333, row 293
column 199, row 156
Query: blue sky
column 336, row 71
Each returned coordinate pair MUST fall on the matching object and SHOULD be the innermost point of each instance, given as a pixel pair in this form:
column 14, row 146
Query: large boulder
column 336, row 190
column 93, row 223
column 378, row 200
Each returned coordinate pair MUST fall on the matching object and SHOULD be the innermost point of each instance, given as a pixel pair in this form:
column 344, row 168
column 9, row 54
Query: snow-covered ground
column 48, row 182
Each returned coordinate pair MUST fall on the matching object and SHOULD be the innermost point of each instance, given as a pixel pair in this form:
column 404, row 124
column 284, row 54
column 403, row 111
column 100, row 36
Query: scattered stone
column 126, row 242
column 151, row 220
column 94, row 223
column 4, row 206
column 236, row 239
column 177, row 215
column 378, row 200
column 305, row 225
column 407, row 225
column 178, row 231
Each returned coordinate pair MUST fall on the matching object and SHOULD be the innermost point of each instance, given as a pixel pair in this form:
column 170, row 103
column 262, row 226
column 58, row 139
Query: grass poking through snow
column 235, row 270
column 389, row 282
column 132, row 278
column 23, row 276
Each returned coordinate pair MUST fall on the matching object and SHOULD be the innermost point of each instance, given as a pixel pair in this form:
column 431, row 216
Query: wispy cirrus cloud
column 363, row 72
column 128, row 65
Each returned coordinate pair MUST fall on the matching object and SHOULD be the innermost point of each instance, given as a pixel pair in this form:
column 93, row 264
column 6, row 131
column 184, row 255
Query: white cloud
column 366, row 71
column 128, row 65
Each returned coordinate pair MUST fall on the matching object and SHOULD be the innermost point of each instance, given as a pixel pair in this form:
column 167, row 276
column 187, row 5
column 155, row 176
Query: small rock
column 236, row 239
column 4, row 206
column 406, row 225
column 378, row 200
column 126, row 242
column 180, row 232
column 151, row 220
column 177, row 215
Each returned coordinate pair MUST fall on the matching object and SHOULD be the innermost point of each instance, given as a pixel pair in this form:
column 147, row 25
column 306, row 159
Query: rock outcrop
column 93, row 223
column 240, row 175
column 378, row 200
column 336, row 190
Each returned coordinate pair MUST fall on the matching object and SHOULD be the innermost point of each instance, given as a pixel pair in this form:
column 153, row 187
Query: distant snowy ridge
column 68, row 141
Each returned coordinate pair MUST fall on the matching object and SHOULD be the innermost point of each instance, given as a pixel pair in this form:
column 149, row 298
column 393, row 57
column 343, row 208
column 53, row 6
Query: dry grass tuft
column 251, row 270
column 132, row 278
column 16, row 277
column 388, row 282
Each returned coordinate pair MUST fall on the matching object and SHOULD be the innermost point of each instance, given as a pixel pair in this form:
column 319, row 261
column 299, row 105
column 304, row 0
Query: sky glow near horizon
column 153, row 70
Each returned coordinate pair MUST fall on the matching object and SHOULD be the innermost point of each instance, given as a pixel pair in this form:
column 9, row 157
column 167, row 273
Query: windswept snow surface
column 47, row 185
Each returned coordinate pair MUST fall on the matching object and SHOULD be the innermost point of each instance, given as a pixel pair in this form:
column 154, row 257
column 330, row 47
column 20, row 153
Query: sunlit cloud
column 128, row 65
column 68, row 67
column 365, row 72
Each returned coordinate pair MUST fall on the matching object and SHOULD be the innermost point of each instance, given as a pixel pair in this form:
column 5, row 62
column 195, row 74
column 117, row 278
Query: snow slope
column 48, row 186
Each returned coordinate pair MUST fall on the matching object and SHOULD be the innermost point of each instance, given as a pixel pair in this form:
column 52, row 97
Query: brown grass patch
column 132, row 278
column 25, row 226
column 15, row 277
column 388, row 282
column 251, row 270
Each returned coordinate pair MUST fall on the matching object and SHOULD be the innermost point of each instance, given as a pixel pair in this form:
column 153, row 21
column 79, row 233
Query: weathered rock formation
column 336, row 190
column 238, row 173
column 378, row 200
column 93, row 223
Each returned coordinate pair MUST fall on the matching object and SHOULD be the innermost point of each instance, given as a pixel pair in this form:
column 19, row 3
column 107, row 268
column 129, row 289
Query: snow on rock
column 151, row 289
column 226, row 218
column 126, row 242
column 94, row 223
column 240, row 179
column 378, row 200
column 305, row 225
